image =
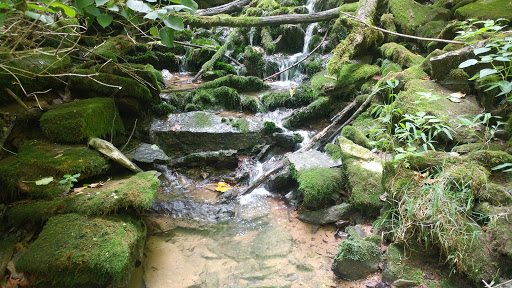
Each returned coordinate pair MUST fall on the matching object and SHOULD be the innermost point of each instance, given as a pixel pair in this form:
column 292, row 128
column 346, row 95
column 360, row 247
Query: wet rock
column 287, row 141
column 191, row 210
column 272, row 242
column 193, row 132
column 310, row 159
column 443, row 64
column 327, row 215
column 224, row 159
column 253, row 208
column 108, row 149
column 356, row 259
column 292, row 39
column 147, row 153
column 397, row 268
column 404, row 283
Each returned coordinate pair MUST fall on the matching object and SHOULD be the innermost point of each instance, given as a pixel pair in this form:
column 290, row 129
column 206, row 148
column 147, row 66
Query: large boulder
column 363, row 171
column 76, row 121
column 356, row 259
column 485, row 9
column 409, row 14
column 326, row 216
column 193, row 132
column 77, row 251
column 401, row 55
column 292, row 39
column 444, row 63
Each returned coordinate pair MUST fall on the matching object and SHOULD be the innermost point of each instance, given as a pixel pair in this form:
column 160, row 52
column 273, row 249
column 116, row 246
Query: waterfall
column 182, row 60
column 251, row 36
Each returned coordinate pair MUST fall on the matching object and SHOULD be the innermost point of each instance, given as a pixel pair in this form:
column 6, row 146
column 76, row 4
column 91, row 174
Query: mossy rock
column 352, row 76
column 356, row 259
column 389, row 67
column 397, row 267
column 318, row 109
column 485, row 9
column 146, row 75
column 489, row 159
column 241, row 84
column 409, row 14
column 320, row 186
column 319, row 81
column 364, row 175
column 401, row 55
column 158, row 59
column 431, row 30
column 134, row 194
column 76, row 251
column 354, row 135
column 113, row 48
column 387, row 22
column 86, row 87
column 301, row 96
column 39, row 159
column 222, row 96
column 34, row 62
column 77, row 121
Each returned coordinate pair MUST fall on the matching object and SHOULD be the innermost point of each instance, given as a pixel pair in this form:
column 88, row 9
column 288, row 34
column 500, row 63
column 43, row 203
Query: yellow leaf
column 223, row 187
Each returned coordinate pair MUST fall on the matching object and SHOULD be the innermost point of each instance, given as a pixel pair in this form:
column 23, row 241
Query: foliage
column 507, row 167
column 500, row 59
column 69, row 180
column 471, row 28
column 270, row 127
column 475, row 124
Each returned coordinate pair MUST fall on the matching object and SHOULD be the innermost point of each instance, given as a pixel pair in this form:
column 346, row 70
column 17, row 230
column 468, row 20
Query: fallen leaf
column 431, row 181
column 383, row 197
column 223, row 187
column 44, row 181
column 95, row 185
column 78, row 190
column 377, row 77
column 458, row 95
column 426, row 78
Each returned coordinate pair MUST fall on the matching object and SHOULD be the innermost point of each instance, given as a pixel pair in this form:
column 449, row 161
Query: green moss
column 75, row 251
column 319, row 80
column 485, row 9
column 77, row 121
column 114, row 47
column 365, row 188
column 430, row 30
column 301, row 96
column 389, row 67
column 352, row 76
column 202, row 119
column 387, row 22
column 268, row 5
column 37, row 159
column 145, row 75
column 267, row 41
column 241, row 124
column 163, row 110
column 333, row 150
column 86, row 86
column 135, row 193
column 354, row 135
column 270, row 127
column 490, row 159
column 320, row 186
column 241, row 84
column 398, row 267
column 227, row 98
column 409, row 14
column 250, row 104
column 316, row 110
column 349, row 7
column 225, row 67
column 357, row 250
column 401, row 55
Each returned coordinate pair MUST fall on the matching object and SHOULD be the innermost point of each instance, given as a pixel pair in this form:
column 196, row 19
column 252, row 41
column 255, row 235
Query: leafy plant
column 506, row 166
column 69, row 180
column 500, row 60
column 473, row 27
column 385, row 113
column 481, row 122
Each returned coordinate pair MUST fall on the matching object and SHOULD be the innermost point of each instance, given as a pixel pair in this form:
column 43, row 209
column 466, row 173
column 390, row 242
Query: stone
column 310, row 159
column 147, row 153
column 271, row 242
column 326, row 216
column 398, row 268
column 191, row 210
column 104, row 252
column 356, row 259
column 401, row 55
column 404, row 283
column 443, row 64
column 485, row 9
column 292, row 39
column 108, row 149
column 192, row 132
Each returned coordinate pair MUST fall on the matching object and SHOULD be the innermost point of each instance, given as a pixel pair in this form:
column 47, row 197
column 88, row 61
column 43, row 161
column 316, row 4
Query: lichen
column 77, row 121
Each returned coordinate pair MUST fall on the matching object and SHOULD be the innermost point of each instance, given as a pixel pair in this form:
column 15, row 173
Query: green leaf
column 100, row 2
column 467, row 63
column 486, row 72
column 68, row 10
column 504, row 165
column 481, row 50
column 41, row 17
column 92, row 11
column 44, row 181
column 83, row 3
column 138, row 6
column 503, row 59
column 175, row 23
column 153, row 31
column 167, row 36
column 104, row 20
column 177, row 8
column 191, row 4
column 2, row 19
column 152, row 15
column 114, row 8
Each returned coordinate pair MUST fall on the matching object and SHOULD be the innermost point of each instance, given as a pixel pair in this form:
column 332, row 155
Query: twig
column 208, row 47
column 16, row 98
column 400, row 34
column 130, row 138
column 302, row 60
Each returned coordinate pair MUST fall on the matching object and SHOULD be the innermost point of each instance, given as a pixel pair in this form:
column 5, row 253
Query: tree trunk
column 227, row 21
column 228, row 8
column 360, row 38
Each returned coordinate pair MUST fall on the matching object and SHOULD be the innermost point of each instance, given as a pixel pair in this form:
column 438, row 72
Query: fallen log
column 245, row 21
column 228, row 8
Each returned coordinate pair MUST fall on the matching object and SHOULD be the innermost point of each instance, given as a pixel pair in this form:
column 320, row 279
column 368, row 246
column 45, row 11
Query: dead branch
column 228, row 8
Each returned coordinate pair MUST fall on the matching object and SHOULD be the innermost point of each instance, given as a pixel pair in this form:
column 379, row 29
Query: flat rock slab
column 311, row 159
column 192, row 132
column 327, row 215
column 147, row 153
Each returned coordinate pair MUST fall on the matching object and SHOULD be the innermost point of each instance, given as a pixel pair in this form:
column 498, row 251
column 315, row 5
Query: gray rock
column 442, row 64
column 356, row 259
column 272, row 242
column 404, row 283
column 327, row 215
column 191, row 210
column 147, row 153
column 292, row 39
column 311, row 159
column 108, row 149
column 192, row 132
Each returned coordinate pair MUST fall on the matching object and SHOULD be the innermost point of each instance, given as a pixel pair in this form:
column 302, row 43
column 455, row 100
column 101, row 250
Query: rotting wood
column 300, row 61
column 221, row 52
column 228, row 8
column 208, row 47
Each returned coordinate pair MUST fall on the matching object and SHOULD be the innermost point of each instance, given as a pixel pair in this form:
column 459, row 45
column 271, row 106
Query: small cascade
column 182, row 60
column 308, row 37
column 289, row 75
column 251, row 36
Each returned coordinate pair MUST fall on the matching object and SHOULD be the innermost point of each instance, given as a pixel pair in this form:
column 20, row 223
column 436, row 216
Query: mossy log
column 228, row 8
column 228, row 21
